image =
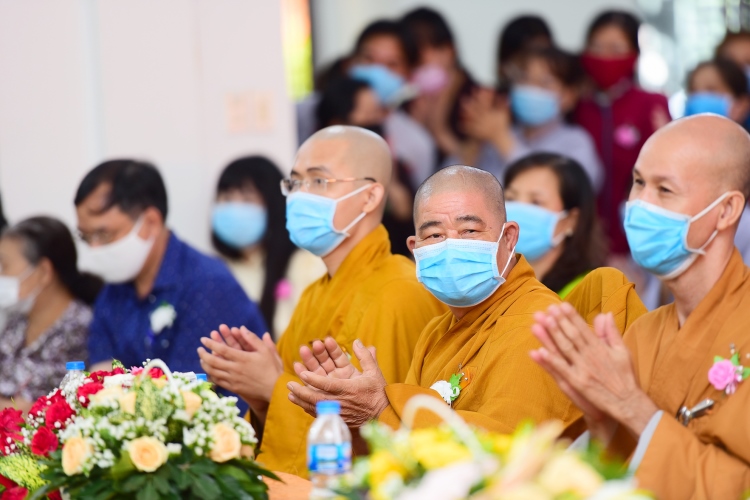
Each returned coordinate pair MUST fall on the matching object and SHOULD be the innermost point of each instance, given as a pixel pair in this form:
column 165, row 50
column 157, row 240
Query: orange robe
column 501, row 385
column 374, row 297
column 710, row 458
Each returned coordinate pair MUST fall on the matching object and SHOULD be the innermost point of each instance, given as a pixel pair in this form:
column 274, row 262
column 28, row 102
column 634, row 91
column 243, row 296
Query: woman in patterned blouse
column 48, row 305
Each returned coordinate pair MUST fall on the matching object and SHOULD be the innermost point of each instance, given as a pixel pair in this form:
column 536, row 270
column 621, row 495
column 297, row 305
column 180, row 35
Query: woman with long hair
column 249, row 231
column 551, row 198
column 48, row 303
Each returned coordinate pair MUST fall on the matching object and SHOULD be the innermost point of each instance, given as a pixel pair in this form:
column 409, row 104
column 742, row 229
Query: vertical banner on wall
column 297, row 45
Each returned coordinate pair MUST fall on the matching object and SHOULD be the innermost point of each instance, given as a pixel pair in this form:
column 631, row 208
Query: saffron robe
column 375, row 297
column 489, row 347
column 710, row 458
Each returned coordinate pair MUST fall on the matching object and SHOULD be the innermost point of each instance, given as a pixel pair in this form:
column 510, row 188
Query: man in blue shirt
column 161, row 296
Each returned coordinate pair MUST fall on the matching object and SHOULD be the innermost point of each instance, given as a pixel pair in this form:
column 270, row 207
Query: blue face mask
column 707, row 102
column 239, row 225
column 658, row 237
column 537, row 236
column 309, row 220
column 386, row 84
column 460, row 273
column 534, row 105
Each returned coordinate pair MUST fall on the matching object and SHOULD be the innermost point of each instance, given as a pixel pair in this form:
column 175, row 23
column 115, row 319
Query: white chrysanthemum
column 444, row 389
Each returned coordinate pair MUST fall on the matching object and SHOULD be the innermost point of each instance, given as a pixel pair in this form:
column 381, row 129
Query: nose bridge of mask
column 702, row 249
column 356, row 220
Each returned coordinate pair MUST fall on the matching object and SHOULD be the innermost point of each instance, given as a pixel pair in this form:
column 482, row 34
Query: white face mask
column 10, row 294
column 119, row 261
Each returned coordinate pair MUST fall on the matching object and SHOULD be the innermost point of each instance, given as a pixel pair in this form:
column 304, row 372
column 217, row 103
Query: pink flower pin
column 724, row 376
column 283, row 289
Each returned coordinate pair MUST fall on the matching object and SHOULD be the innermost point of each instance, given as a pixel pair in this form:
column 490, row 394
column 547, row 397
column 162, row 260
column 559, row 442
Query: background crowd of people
column 561, row 132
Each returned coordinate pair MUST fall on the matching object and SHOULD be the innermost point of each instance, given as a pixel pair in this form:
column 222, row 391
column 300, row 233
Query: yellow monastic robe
column 374, row 297
column 710, row 458
column 501, row 385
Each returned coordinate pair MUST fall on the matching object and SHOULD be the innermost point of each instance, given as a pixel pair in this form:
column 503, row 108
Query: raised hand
column 326, row 358
column 593, row 368
column 362, row 397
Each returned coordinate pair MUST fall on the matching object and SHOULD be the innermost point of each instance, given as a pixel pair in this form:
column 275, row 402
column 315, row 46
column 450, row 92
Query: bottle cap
column 75, row 365
column 202, row 377
column 328, row 407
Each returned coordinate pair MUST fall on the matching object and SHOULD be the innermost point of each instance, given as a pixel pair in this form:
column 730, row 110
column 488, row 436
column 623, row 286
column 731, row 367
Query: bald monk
column 653, row 396
column 335, row 202
column 464, row 249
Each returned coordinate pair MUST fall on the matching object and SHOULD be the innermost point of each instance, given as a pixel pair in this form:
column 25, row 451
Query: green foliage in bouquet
column 23, row 469
column 185, row 476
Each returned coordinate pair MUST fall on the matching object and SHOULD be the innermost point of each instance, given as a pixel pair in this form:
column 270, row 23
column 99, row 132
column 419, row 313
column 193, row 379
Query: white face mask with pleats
column 10, row 293
column 119, row 261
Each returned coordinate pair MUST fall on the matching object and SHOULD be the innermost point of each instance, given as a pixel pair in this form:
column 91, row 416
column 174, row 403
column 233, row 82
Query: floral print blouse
column 32, row 371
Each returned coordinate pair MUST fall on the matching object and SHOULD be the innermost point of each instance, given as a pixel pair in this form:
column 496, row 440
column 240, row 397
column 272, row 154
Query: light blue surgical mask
column 708, row 102
column 537, row 228
column 461, row 273
column 534, row 106
column 239, row 225
column 386, row 84
column 658, row 237
column 309, row 220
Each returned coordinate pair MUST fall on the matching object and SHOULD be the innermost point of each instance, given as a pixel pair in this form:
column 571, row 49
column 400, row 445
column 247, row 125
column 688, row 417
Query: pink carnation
column 136, row 370
column 723, row 376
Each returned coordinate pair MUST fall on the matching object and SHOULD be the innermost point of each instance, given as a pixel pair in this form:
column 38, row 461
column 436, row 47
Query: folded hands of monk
column 593, row 368
column 328, row 374
column 242, row 363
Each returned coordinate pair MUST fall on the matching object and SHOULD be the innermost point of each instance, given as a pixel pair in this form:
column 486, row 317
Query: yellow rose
column 383, row 465
column 566, row 473
column 192, row 402
column 247, row 451
column 147, row 453
column 75, row 452
column 159, row 382
column 227, row 444
column 106, row 395
column 127, row 402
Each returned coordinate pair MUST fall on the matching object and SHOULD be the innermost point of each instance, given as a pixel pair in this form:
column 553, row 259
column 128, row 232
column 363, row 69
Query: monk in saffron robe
column 673, row 394
column 368, row 292
column 464, row 249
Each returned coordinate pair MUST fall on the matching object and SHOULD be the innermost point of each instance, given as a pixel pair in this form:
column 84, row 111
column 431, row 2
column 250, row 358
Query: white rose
column 162, row 317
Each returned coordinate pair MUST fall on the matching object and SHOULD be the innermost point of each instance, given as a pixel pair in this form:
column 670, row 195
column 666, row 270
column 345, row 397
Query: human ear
column 46, row 272
column 568, row 98
column 740, row 110
column 733, row 207
column 374, row 197
column 511, row 235
column 411, row 243
column 568, row 224
column 152, row 223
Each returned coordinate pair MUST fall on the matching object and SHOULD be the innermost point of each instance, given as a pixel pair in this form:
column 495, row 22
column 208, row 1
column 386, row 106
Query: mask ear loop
column 361, row 216
column 512, row 252
column 702, row 250
column 556, row 240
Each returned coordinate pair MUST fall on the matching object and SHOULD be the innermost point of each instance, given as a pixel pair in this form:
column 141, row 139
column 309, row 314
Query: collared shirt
column 32, row 371
column 204, row 295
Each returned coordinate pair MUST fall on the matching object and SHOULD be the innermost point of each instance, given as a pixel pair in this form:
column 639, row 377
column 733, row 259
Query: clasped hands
column 328, row 373
column 594, row 369
column 242, row 363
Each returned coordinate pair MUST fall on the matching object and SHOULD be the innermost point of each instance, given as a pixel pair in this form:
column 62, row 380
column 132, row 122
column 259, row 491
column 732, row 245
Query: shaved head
column 347, row 151
column 711, row 151
column 460, row 178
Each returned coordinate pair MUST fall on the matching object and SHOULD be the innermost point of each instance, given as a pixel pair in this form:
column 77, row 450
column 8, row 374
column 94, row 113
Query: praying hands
column 594, row 369
column 329, row 374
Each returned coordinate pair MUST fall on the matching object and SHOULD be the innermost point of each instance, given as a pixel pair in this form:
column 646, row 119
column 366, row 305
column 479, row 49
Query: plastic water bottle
column 329, row 449
column 74, row 371
column 201, row 377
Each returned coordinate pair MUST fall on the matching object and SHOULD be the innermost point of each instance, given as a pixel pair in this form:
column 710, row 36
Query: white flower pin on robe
column 162, row 317
column 450, row 390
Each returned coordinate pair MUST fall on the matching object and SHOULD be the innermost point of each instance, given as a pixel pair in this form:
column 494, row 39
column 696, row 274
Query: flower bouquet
column 143, row 433
column 455, row 462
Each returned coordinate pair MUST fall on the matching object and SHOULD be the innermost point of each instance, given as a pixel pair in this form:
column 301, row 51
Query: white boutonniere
column 449, row 390
column 162, row 317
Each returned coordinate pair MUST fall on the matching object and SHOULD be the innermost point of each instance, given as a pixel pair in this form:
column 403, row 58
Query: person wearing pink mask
column 618, row 114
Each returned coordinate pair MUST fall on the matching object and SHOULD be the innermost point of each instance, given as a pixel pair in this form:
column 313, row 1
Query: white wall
column 187, row 84
column 475, row 23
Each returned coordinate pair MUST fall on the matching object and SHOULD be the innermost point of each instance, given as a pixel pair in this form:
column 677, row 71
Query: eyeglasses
column 317, row 185
column 99, row 237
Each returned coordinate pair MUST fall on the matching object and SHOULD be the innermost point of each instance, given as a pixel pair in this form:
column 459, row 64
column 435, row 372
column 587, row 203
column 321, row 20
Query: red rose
column 155, row 373
column 86, row 390
column 10, row 426
column 57, row 396
column 100, row 375
column 55, row 495
column 7, row 483
column 39, row 406
column 17, row 493
column 44, row 442
column 58, row 413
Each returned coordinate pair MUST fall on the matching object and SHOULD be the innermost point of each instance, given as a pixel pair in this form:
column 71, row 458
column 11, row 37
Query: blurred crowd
column 561, row 132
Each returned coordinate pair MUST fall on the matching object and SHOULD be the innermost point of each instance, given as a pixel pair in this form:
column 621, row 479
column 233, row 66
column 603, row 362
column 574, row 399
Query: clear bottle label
column 329, row 458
